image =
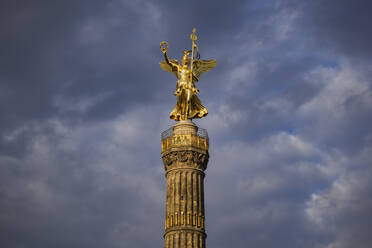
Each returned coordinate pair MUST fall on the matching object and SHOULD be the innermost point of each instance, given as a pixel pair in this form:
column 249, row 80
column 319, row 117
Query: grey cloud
column 82, row 192
column 269, row 181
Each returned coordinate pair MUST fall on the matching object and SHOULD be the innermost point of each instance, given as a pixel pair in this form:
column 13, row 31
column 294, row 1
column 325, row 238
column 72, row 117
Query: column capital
column 185, row 159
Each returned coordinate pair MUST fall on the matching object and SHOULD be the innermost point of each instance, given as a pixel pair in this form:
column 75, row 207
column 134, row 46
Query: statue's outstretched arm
column 171, row 64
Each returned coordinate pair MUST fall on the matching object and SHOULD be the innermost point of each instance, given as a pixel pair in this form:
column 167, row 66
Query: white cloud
column 242, row 76
column 222, row 117
column 81, row 104
column 339, row 112
column 338, row 85
column 342, row 211
column 284, row 23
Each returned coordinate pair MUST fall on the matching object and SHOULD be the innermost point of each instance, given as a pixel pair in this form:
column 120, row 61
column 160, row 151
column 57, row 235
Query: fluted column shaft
column 185, row 157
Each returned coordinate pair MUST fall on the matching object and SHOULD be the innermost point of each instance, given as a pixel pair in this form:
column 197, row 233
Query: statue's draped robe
column 195, row 110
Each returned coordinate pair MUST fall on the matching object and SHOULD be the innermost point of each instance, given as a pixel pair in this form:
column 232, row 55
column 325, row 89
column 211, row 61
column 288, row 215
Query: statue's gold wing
column 166, row 67
column 201, row 66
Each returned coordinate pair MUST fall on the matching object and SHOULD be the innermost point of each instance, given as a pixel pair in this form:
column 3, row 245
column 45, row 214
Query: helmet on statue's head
column 186, row 58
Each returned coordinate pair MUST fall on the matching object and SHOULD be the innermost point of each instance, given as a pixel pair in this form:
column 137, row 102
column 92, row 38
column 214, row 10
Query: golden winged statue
column 188, row 105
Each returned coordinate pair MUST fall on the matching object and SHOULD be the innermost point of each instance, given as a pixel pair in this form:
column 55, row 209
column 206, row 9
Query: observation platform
column 185, row 134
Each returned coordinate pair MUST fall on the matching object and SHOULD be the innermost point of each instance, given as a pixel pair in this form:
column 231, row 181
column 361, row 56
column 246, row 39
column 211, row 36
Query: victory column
column 185, row 153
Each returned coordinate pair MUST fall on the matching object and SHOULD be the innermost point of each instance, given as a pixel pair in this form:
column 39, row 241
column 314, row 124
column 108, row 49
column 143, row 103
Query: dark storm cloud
column 56, row 53
column 71, row 48
column 33, row 35
column 342, row 26
column 83, row 102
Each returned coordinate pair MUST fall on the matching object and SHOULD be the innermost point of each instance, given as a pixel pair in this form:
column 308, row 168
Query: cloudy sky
column 83, row 102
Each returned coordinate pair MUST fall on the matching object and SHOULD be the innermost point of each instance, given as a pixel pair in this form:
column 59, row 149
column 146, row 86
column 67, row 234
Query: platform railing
column 170, row 140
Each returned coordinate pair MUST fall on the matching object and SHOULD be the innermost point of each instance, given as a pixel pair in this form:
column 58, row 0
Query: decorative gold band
column 183, row 219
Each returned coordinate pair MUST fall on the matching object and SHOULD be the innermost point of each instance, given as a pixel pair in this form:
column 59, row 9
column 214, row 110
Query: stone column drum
column 185, row 156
